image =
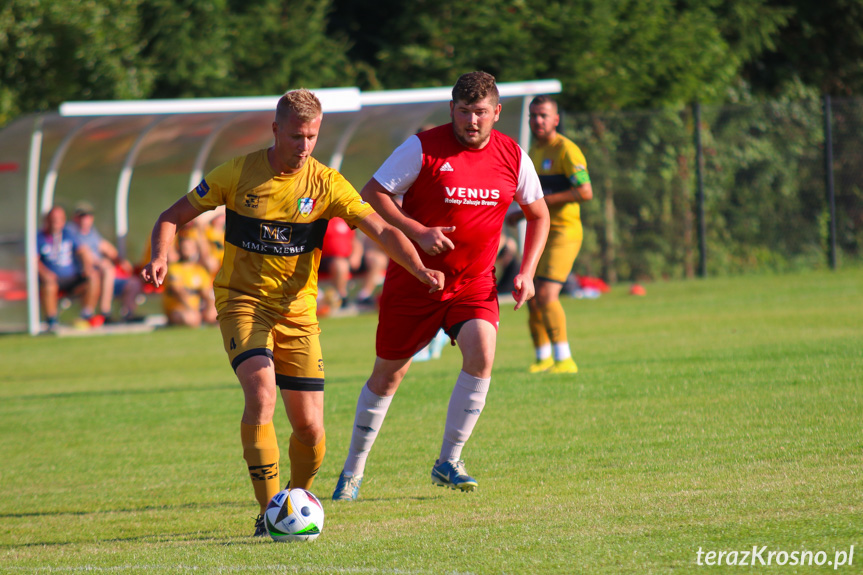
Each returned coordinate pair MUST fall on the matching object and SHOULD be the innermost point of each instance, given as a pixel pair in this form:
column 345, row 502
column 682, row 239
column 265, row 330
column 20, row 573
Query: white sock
column 465, row 406
column 543, row 352
column 371, row 411
column 561, row 351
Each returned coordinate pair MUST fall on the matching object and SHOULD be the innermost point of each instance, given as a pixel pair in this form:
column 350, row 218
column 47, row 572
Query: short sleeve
column 347, row 202
column 398, row 173
column 215, row 187
column 575, row 166
column 529, row 189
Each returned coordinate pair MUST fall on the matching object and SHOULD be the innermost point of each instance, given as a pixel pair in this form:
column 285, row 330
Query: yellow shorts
column 559, row 255
column 249, row 330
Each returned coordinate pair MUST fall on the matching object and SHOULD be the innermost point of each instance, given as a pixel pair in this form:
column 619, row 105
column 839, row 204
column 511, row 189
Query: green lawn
column 716, row 415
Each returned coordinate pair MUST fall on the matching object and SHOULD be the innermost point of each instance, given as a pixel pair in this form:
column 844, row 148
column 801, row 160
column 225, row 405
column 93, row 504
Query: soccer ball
column 294, row 515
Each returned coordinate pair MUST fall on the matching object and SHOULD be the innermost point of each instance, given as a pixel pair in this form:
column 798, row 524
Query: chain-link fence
column 765, row 197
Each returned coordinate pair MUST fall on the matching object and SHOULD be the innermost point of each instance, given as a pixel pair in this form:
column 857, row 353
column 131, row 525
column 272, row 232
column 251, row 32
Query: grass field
column 716, row 415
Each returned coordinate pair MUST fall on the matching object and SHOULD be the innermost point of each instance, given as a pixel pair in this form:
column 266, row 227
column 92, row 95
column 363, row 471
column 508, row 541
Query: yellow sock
column 555, row 321
column 537, row 327
column 305, row 462
column 261, row 452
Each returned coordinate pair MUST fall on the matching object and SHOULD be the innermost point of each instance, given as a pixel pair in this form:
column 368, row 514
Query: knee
column 479, row 364
column 309, row 432
column 384, row 384
column 48, row 286
column 260, row 405
column 545, row 295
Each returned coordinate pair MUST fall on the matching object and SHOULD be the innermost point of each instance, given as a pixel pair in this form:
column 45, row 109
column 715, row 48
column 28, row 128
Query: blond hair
column 302, row 103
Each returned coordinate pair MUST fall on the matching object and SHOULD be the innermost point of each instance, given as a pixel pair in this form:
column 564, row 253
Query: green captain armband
column 580, row 177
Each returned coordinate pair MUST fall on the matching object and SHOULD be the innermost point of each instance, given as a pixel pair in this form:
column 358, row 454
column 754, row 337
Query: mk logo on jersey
column 305, row 206
column 202, row 189
column 274, row 237
column 275, row 234
column 233, row 344
column 446, row 167
column 546, row 164
column 252, row 200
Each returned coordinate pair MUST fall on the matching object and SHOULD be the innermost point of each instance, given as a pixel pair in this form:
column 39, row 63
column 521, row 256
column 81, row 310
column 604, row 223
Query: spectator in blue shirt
column 106, row 259
column 65, row 266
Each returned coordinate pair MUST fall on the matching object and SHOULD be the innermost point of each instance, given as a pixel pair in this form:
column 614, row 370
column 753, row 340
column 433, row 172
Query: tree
column 64, row 49
column 278, row 45
column 821, row 44
column 185, row 43
column 608, row 55
column 52, row 51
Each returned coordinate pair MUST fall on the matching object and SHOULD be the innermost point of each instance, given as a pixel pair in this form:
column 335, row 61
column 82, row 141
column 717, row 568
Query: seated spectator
column 342, row 254
column 214, row 232
column 372, row 271
column 188, row 297
column 65, row 266
column 107, row 260
column 135, row 290
column 209, row 254
column 507, row 264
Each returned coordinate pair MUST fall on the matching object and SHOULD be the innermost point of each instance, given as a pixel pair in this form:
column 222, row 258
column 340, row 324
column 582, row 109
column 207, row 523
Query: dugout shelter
column 132, row 159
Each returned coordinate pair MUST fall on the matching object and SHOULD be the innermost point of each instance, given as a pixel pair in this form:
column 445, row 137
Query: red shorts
column 410, row 316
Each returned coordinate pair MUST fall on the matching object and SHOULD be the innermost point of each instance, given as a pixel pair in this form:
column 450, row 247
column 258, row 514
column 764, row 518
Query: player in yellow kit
column 565, row 181
column 278, row 202
column 188, row 296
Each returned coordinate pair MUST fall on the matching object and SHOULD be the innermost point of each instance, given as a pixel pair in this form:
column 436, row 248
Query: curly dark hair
column 474, row 86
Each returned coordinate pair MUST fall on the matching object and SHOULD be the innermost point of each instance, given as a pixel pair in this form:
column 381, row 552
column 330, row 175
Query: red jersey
column 445, row 184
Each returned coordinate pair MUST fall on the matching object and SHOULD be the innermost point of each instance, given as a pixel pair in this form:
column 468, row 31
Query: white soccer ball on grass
column 294, row 515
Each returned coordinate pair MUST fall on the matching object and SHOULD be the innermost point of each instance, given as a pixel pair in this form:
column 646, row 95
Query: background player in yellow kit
column 565, row 182
column 188, row 296
column 277, row 204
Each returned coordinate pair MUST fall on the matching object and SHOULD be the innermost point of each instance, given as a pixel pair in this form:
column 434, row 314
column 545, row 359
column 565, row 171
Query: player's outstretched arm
column 400, row 249
column 536, row 214
column 177, row 216
column 432, row 241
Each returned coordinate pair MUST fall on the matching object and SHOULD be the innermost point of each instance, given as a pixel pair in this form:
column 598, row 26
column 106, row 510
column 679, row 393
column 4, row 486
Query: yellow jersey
column 561, row 157
column 189, row 277
column 216, row 241
column 274, row 230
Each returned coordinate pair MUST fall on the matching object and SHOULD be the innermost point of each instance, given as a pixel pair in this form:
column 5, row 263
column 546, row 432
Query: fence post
column 828, row 175
column 699, row 199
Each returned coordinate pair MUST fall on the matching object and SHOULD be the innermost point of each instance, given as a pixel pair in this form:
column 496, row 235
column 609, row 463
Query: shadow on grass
column 161, row 538
column 192, row 536
column 144, row 509
column 109, row 392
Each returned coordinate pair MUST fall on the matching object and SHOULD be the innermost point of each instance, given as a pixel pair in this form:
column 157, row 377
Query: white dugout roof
column 132, row 159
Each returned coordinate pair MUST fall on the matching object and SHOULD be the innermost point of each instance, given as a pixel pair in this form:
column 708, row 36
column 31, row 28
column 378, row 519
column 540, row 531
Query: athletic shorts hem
column 545, row 279
column 295, row 383
column 250, row 353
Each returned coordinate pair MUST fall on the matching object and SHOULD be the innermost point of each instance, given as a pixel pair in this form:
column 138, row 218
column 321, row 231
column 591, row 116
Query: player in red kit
column 456, row 182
